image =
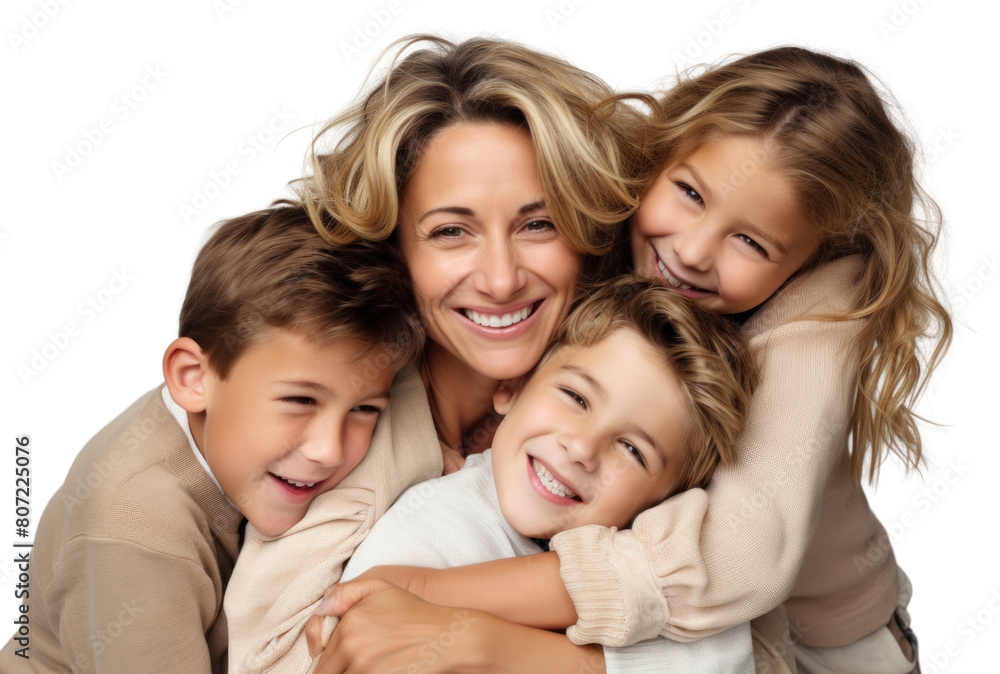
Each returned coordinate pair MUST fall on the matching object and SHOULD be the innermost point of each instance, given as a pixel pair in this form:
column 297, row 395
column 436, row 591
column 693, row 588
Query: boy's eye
column 690, row 193
column 299, row 400
column 575, row 397
column 367, row 409
column 753, row 244
column 634, row 451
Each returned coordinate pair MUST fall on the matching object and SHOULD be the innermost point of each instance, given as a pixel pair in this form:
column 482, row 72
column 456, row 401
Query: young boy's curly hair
column 708, row 354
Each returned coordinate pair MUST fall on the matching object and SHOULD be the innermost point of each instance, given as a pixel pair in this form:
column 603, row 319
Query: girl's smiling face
column 721, row 226
column 492, row 275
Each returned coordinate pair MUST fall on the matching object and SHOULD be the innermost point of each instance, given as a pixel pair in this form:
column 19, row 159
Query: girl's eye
column 753, row 244
column 299, row 400
column 634, row 451
column 690, row 193
column 575, row 397
column 367, row 409
column 447, row 232
column 539, row 226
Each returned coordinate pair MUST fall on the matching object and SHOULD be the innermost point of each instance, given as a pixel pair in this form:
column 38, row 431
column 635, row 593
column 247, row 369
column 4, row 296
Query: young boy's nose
column 324, row 446
column 581, row 446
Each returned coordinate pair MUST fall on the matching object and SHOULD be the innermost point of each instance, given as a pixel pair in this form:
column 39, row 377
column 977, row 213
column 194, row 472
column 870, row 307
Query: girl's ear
column 185, row 367
column 506, row 394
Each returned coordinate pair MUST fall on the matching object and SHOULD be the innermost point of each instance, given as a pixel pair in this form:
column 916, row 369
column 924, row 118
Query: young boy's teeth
column 550, row 482
column 498, row 320
column 671, row 281
column 298, row 484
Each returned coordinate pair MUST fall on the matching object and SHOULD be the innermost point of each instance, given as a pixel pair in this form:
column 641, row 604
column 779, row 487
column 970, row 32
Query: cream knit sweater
column 783, row 524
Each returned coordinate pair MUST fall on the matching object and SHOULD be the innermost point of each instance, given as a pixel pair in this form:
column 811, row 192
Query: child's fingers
column 343, row 596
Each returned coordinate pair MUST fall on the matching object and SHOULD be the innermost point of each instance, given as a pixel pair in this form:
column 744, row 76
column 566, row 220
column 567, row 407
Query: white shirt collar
column 180, row 414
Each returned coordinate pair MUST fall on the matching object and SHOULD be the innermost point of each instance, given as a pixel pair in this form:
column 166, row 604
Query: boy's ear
column 185, row 366
column 506, row 394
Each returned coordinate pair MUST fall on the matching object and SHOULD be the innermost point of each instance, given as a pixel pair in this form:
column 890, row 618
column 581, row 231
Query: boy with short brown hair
column 287, row 350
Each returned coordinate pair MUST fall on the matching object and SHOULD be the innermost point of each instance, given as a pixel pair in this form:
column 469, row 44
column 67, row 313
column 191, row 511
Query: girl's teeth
column 299, row 484
column 671, row 281
column 498, row 321
column 550, row 482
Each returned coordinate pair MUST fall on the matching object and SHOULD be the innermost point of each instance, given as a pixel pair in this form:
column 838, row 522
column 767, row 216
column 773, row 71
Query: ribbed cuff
column 609, row 578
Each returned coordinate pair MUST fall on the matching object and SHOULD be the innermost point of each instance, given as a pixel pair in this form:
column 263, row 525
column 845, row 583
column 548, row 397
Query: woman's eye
column 299, row 400
column 753, row 244
column 634, row 451
column 539, row 226
column 690, row 193
column 447, row 232
column 575, row 397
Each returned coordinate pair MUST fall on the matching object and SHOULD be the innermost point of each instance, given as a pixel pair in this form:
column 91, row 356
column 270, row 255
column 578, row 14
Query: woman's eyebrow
column 528, row 208
column 454, row 210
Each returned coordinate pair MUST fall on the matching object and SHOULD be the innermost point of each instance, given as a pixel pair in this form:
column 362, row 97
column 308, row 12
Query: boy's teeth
column 498, row 320
column 550, row 482
column 298, row 484
column 671, row 281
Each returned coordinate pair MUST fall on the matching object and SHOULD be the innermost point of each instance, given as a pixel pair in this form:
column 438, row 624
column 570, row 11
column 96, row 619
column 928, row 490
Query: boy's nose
column 325, row 448
column 582, row 447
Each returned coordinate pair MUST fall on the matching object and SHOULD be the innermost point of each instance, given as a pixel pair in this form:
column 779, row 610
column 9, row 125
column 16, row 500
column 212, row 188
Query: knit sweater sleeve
column 706, row 560
column 120, row 606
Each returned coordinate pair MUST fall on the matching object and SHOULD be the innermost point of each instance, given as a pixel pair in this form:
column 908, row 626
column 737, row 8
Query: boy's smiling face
column 289, row 422
column 595, row 436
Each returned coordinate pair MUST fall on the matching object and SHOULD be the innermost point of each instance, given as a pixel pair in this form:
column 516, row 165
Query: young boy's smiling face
column 595, row 436
column 291, row 420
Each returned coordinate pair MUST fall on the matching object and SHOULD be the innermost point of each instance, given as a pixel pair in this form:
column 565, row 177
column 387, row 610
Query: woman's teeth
column 498, row 320
column 671, row 281
column 551, row 483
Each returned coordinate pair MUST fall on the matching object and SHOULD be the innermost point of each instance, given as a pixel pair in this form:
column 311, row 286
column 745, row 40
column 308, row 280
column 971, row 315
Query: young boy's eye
column 299, row 400
column 753, row 244
column 690, row 193
column 367, row 409
column 575, row 397
column 634, row 451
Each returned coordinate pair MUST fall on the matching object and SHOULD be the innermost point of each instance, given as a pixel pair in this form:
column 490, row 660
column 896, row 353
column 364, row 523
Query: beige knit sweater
column 131, row 557
column 783, row 524
column 279, row 580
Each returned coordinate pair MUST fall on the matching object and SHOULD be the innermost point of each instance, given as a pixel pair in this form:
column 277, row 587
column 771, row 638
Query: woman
column 486, row 157
column 484, row 163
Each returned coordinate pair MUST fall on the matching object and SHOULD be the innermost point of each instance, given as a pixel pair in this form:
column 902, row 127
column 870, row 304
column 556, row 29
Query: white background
column 225, row 70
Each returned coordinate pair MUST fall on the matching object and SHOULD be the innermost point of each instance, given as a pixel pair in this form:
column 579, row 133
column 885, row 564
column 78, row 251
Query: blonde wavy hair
column 829, row 130
column 707, row 353
column 583, row 151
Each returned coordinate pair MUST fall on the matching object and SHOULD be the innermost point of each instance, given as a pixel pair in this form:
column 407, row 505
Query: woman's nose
column 500, row 275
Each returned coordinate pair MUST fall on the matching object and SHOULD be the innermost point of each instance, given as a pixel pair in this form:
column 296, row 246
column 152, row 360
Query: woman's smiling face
column 492, row 276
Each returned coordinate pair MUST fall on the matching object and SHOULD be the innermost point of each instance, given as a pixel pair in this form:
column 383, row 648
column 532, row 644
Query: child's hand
column 389, row 630
column 342, row 596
